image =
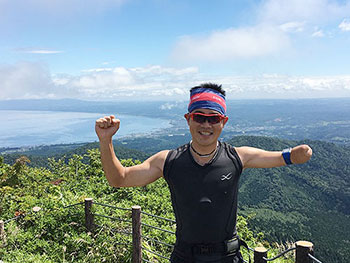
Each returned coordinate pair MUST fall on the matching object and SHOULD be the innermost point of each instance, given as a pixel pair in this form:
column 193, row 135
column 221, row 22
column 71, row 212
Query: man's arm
column 257, row 158
column 118, row 175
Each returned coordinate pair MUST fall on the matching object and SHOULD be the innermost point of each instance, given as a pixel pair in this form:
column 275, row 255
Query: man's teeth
column 205, row 133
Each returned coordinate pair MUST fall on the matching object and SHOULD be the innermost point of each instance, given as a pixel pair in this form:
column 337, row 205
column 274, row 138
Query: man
column 202, row 177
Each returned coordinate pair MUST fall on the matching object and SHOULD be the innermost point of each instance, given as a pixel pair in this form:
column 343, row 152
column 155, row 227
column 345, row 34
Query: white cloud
column 172, row 105
column 345, row 25
column 25, row 80
column 33, row 80
column 43, row 51
column 276, row 20
column 318, row 33
column 281, row 86
column 292, row 27
column 232, row 43
column 37, row 50
column 142, row 82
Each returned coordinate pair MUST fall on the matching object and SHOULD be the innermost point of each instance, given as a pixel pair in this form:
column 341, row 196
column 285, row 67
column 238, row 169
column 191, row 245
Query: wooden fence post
column 89, row 216
column 303, row 249
column 2, row 234
column 136, row 234
column 259, row 254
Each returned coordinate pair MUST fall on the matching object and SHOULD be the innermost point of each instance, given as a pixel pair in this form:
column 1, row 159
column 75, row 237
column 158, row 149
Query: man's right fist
column 106, row 127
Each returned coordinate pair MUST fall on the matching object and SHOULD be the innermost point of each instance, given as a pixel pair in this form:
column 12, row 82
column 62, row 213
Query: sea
column 34, row 128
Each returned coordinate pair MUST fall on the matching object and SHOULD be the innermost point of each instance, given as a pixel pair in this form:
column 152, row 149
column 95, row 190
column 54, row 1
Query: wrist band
column 286, row 156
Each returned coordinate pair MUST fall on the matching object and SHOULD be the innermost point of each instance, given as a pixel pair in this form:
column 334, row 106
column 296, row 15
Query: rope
column 114, row 218
column 314, row 259
column 158, row 228
column 159, row 217
column 157, row 241
column 110, row 206
column 114, row 230
column 159, row 255
column 280, row 255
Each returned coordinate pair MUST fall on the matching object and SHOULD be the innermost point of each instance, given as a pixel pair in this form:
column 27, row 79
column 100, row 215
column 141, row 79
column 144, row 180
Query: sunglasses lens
column 202, row 118
column 199, row 118
column 213, row 119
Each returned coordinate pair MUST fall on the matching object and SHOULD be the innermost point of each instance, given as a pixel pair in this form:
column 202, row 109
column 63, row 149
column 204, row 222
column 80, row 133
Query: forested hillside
column 47, row 230
column 40, row 155
column 309, row 201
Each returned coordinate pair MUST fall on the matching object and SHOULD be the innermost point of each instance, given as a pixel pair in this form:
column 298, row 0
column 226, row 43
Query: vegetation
column 40, row 155
column 309, row 201
column 47, row 230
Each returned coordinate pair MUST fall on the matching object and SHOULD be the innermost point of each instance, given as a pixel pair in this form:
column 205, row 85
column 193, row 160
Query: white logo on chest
column 226, row 177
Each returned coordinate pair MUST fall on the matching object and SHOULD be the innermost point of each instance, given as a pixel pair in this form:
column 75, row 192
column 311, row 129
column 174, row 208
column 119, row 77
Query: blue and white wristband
column 286, row 156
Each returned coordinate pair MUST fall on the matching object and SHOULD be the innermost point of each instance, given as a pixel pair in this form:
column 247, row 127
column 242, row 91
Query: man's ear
column 225, row 120
column 187, row 117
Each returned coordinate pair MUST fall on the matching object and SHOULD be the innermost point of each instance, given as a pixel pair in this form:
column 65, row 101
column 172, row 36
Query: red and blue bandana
column 204, row 98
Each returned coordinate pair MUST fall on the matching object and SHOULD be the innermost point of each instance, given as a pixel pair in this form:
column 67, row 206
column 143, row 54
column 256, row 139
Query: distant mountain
column 309, row 201
column 140, row 108
column 315, row 119
column 39, row 155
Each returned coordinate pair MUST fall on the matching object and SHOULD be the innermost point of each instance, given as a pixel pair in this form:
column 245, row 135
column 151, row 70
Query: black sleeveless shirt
column 204, row 198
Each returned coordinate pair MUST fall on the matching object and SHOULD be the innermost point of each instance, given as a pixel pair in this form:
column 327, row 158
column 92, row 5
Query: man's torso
column 204, row 197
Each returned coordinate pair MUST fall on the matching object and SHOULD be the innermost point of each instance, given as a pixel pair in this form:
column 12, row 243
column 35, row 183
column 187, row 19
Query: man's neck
column 203, row 155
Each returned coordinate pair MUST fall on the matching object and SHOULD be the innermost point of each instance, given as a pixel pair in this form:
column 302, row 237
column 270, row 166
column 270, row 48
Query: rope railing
column 159, row 217
column 314, row 259
column 281, row 254
column 136, row 225
column 158, row 241
column 114, row 218
column 158, row 228
column 111, row 206
column 304, row 249
column 304, row 252
column 155, row 253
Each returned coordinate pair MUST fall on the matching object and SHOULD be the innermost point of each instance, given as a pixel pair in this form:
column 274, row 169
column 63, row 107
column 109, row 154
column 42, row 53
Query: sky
column 159, row 49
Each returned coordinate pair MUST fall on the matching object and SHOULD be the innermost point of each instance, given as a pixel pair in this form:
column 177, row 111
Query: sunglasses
column 202, row 117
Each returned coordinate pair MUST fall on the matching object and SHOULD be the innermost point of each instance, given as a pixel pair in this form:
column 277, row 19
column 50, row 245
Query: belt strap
column 227, row 247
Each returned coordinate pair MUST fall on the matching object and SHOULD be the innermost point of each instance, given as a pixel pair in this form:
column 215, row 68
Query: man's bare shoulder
column 161, row 155
column 158, row 159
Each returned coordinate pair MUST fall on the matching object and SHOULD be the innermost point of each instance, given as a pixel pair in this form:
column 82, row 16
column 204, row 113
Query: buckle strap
column 208, row 248
column 230, row 246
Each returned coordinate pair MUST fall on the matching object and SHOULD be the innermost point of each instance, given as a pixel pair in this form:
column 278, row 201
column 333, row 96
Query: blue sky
column 158, row 49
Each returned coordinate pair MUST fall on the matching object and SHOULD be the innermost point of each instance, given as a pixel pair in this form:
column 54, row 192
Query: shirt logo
column 226, row 177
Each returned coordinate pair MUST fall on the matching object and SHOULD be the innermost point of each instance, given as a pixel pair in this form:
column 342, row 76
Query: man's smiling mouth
column 205, row 133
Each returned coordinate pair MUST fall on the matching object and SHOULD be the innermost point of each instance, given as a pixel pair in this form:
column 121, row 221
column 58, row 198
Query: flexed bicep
column 146, row 172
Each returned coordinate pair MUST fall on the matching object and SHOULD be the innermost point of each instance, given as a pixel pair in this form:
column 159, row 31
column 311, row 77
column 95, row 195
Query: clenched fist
column 301, row 154
column 106, row 127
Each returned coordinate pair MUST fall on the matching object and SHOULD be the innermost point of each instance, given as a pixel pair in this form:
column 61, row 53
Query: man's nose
column 206, row 123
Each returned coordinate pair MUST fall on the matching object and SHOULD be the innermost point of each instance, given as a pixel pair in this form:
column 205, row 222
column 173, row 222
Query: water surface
column 29, row 128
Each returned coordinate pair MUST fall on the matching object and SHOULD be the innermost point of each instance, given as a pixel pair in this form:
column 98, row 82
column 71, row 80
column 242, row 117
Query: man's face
column 205, row 134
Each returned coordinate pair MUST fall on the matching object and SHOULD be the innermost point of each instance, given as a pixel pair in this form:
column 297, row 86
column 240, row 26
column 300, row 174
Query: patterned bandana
column 204, row 98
